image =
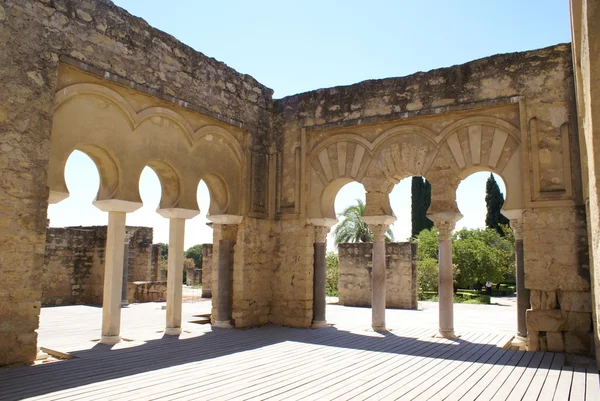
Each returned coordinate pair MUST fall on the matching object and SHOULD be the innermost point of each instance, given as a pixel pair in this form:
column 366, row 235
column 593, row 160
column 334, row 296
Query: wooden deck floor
column 346, row 361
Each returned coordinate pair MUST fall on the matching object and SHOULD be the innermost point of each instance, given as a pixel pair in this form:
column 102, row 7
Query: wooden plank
column 311, row 378
column 521, row 386
column 592, row 385
column 532, row 360
column 438, row 383
column 420, row 368
column 549, row 387
column 469, row 376
column 577, row 392
column 496, row 380
column 535, row 386
column 563, row 388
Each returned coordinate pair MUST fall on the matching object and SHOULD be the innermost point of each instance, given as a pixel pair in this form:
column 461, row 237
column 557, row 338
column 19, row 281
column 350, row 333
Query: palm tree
column 353, row 229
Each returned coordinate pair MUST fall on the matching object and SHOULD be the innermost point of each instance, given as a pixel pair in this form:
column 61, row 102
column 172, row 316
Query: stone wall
column 73, row 271
column 193, row 276
column 146, row 291
column 207, row 270
column 107, row 42
column 354, row 283
column 560, row 319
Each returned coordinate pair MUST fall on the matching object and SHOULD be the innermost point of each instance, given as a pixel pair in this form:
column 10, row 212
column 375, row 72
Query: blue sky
column 296, row 46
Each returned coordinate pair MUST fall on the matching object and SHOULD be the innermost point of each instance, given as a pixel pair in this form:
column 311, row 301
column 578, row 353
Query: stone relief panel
column 343, row 159
column 259, row 183
column 550, row 160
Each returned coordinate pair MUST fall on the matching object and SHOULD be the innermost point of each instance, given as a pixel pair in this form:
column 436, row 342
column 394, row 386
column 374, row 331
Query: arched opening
column 73, row 269
column 483, row 254
column 198, row 265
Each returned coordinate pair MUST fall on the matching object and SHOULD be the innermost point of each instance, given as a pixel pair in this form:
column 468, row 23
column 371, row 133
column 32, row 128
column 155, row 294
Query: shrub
column 331, row 274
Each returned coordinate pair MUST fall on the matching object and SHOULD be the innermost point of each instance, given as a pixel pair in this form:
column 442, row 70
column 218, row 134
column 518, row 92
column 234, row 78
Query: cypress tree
column 420, row 201
column 494, row 201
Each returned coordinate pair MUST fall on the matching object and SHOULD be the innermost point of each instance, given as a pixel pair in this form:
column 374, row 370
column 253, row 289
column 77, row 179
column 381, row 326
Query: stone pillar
column 175, row 260
column 124, row 301
column 322, row 227
column 523, row 297
column 445, row 223
column 227, row 226
column 113, row 266
column 378, row 225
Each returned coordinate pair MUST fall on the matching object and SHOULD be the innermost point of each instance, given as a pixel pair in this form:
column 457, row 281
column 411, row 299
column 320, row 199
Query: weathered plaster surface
column 152, row 101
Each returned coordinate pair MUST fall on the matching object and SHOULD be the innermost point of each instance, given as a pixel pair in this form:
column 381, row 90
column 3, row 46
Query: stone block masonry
column 354, row 282
column 73, row 271
column 207, row 270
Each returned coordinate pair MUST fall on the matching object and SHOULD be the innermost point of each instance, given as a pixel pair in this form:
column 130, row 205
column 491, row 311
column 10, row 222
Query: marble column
column 113, row 266
column 523, row 300
column 124, row 301
column 322, row 227
column 445, row 223
column 378, row 289
column 177, row 218
column 378, row 225
column 227, row 226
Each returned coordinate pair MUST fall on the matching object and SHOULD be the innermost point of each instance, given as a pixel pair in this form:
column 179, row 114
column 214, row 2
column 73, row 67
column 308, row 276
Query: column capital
column 225, row 218
column 321, row 234
column 516, row 221
column 178, row 213
column 117, row 205
column 379, row 231
column 322, row 227
column 445, row 223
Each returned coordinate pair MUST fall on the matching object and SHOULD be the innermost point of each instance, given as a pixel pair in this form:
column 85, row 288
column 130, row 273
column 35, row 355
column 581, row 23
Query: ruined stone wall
column 292, row 275
column 207, row 270
column 73, row 271
column 252, row 271
column 557, row 272
column 105, row 41
column 531, row 91
column 354, row 283
column 147, row 291
column 140, row 253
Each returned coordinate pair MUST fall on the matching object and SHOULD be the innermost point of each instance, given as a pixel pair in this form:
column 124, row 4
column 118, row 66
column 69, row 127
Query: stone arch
column 405, row 151
column 106, row 163
column 219, row 195
column 206, row 133
column 170, row 183
column 71, row 92
column 484, row 143
column 155, row 114
column 334, row 163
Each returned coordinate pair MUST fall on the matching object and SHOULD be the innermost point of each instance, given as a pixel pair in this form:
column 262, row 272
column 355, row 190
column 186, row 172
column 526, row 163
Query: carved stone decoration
column 321, row 234
column 259, row 184
column 379, row 231
column 342, row 159
column 403, row 159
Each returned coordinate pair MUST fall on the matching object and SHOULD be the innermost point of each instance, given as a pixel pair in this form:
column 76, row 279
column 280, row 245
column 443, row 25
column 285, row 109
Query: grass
column 460, row 297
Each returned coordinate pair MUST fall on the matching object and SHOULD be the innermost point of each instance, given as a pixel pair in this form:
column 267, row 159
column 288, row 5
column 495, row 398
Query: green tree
column 427, row 244
column 353, row 229
column 427, row 274
column 420, row 200
column 332, row 273
column 195, row 253
column 481, row 255
column 494, row 201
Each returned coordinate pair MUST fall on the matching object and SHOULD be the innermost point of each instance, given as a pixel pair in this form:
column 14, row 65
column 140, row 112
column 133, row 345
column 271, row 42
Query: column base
column 449, row 334
column 379, row 329
column 519, row 342
column 318, row 324
column 173, row 331
column 223, row 324
column 110, row 340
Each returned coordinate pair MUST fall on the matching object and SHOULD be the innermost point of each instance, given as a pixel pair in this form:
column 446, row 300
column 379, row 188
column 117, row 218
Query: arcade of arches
column 104, row 82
